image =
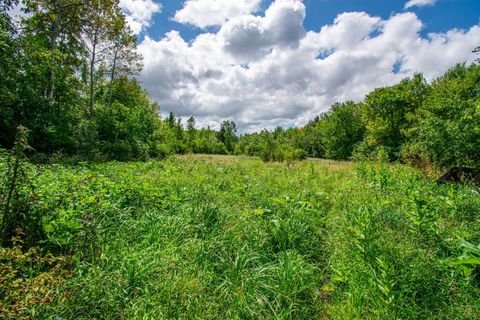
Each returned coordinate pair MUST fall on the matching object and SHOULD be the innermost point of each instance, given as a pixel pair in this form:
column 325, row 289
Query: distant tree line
column 68, row 75
column 426, row 125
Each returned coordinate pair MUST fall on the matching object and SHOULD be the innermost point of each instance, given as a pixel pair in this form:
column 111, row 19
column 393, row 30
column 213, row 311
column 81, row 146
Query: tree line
column 424, row 124
column 69, row 67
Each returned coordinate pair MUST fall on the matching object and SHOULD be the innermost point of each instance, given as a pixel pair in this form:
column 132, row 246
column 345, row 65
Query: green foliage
column 55, row 66
column 279, row 145
column 68, row 76
column 341, row 129
column 68, row 72
column 128, row 127
column 311, row 139
column 390, row 257
column 446, row 130
column 9, row 49
column 388, row 113
column 206, row 141
column 469, row 260
column 227, row 136
column 18, row 199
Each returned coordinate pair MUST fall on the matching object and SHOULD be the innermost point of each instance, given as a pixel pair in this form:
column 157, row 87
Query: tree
column 312, row 139
column 67, row 56
column 227, row 134
column 124, row 59
column 43, row 87
column 191, row 131
column 170, row 120
column 9, row 68
column 388, row 113
column 445, row 131
column 341, row 129
column 103, row 19
column 56, row 24
column 191, row 124
column 128, row 127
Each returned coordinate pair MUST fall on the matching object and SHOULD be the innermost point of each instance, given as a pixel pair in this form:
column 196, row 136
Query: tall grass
column 203, row 237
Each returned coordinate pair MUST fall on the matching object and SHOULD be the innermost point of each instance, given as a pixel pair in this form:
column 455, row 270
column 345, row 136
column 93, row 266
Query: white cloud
column 139, row 13
column 251, row 37
column 205, row 13
column 419, row 3
column 261, row 75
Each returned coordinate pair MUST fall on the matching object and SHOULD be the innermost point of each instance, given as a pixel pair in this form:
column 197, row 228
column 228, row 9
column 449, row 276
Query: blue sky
column 281, row 62
column 443, row 16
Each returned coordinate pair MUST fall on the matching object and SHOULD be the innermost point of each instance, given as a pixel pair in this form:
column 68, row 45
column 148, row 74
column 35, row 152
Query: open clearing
column 214, row 237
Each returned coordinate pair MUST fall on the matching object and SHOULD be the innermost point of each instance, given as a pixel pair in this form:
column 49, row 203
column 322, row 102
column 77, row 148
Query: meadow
column 221, row 237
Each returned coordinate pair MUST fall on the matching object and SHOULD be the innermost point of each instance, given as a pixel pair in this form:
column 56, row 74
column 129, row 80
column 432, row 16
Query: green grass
column 208, row 237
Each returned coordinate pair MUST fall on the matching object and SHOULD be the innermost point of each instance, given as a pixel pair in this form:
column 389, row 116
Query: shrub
column 29, row 279
column 18, row 205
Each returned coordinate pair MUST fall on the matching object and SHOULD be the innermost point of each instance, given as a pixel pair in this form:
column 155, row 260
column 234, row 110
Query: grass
column 217, row 237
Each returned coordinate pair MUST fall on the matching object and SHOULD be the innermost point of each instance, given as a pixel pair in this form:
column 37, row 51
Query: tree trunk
column 112, row 75
column 92, row 72
column 52, row 47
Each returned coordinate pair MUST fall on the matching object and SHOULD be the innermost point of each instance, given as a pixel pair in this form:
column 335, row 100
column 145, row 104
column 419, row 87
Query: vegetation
column 69, row 77
column 231, row 237
column 446, row 129
column 215, row 237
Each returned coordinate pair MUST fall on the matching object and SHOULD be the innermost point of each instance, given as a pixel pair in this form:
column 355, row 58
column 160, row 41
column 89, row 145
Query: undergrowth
column 206, row 237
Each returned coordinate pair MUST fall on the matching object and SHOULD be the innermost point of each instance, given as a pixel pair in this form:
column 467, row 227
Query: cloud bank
column 267, row 70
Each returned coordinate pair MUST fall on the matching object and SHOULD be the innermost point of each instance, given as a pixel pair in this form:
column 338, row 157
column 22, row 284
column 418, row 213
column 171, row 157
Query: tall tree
column 341, row 129
column 95, row 35
column 110, row 46
column 123, row 58
column 9, row 68
column 388, row 113
column 191, row 130
column 58, row 24
column 227, row 134
column 191, row 124
column 170, row 120
column 45, row 62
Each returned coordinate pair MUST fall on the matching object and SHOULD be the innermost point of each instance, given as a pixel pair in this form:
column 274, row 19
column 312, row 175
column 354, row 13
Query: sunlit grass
column 219, row 237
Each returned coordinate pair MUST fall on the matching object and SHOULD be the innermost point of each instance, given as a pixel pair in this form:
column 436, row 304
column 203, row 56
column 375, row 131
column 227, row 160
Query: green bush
column 445, row 132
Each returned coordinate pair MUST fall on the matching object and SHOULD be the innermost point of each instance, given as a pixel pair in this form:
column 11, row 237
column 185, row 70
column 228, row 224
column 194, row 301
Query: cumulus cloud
column 139, row 13
column 205, row 13
column 251, row 37
column 419, row 3
column 260, row 75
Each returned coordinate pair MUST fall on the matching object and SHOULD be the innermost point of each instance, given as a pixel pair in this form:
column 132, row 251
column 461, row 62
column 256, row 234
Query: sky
column 268, row 63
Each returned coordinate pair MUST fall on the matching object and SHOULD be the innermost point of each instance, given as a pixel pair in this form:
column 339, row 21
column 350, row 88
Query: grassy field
column 210, row 237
